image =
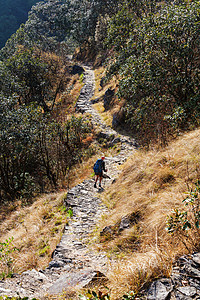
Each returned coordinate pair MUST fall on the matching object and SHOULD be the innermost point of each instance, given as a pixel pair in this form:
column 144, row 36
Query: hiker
column 99, row 167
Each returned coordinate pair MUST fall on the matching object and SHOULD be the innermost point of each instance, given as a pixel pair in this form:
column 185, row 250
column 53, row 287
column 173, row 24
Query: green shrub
column 6, row 259
column 184, row 225
column 92, row 295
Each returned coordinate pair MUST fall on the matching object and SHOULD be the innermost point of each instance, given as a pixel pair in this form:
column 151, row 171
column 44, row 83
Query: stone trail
column 83, row 105
column 74, row 262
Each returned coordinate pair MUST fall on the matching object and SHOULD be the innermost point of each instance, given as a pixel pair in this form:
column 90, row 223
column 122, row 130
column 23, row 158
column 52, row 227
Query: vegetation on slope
column 157, row 63
column 151, row 188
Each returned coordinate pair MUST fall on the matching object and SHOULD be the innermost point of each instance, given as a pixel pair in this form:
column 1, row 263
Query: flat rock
column 180, row 296
column 33, row 274
column 187, row 290
column 80, row 280
column 2, row 290
column 193, row 272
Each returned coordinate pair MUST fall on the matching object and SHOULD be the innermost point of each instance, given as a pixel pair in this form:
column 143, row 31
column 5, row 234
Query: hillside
column 151, row 186
column 82, row 80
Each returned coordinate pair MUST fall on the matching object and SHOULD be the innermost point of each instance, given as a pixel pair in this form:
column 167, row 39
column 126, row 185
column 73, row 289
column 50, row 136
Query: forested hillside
column 37, row 149
column 149, row 54
column 12, row 15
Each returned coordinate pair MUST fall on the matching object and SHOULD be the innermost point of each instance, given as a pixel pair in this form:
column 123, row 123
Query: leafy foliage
column 92, row 295
column 184, row 224
column 131, row 296
column 37, row 152
column 6, row 259
column 34, row 150
column 158, row 66
column 38, row 77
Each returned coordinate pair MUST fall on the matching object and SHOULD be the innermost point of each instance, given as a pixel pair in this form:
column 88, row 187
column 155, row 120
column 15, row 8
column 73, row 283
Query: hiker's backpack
column 98, row 166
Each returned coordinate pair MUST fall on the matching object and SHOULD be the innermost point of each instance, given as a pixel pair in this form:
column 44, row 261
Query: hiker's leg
column 95, row 184
column 100, row 179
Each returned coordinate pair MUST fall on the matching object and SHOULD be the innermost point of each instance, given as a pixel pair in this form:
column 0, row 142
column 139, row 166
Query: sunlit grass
column 151, row 183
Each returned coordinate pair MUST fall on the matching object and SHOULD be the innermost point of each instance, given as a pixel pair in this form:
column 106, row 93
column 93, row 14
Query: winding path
column 75, row 263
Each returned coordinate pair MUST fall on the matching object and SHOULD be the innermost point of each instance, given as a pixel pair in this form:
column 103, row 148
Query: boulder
column 118, row 118
column 79, row 280
column 187, row 290
column 76, row 70
column 109, row 94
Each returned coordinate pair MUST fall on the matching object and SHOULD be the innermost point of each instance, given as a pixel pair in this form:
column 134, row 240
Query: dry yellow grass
column 36, row 230
column 152, row 183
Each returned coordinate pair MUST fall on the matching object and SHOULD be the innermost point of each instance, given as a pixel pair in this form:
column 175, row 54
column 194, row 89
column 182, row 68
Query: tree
column 36, row 152
column 158, row 64
column 38, row 77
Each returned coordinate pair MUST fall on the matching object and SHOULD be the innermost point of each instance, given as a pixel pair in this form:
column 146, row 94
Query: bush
column 36, row 152
column 184, row 225
column 6, row 259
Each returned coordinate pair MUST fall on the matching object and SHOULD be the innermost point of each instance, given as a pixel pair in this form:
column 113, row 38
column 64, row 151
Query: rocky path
column 75, row 263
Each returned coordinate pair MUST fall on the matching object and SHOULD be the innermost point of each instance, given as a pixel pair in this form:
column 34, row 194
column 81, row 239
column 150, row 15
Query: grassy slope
column 151, row 184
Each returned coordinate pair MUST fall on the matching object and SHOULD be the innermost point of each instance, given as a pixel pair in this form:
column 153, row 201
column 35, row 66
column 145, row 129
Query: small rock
column 159, row 290
column 196, row 258
column 195, row 283
column 96, row 100
column 102, row 81
column 193, row 272
column 125, row 223
column 56, row 264
column 106, row 231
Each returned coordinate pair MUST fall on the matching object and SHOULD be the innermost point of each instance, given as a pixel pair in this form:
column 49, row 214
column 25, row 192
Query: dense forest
column 12, row 15
column 150, row 47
